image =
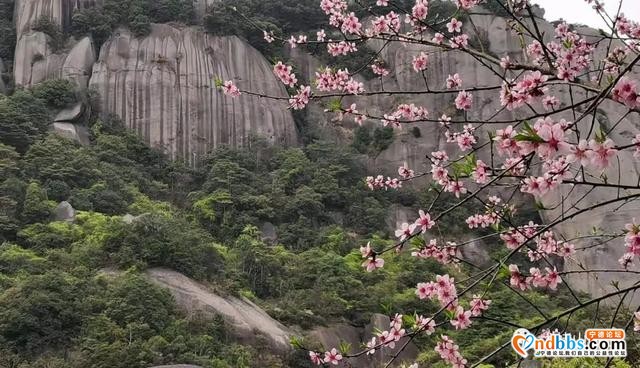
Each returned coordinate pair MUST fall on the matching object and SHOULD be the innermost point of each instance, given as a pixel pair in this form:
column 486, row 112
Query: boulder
column 164, row 87
column 268, row 232
column 70, row 114
column 249, row 323
column 64, row 212
column 78, row 133
column 333, row 335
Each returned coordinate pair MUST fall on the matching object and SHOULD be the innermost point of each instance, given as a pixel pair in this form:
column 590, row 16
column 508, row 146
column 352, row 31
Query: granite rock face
column 35, row 60
column 163, row 87
column 249, row 323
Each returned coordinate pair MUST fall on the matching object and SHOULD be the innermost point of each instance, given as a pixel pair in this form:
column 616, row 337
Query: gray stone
column 163, row 87
column 476, row 252
column 268, row 232
column 74, row 132
column 249, row 323
column 70, row 114
column 64, row 212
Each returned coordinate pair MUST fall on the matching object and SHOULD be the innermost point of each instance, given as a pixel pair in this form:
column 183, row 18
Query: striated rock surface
column 78, row 133
column 249, row 323
column 3, row 87
column 163, row 87
column 35, row 61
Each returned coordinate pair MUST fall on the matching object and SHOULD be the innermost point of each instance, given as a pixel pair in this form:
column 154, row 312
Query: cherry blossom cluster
column 329, row 80
column 632, row 243
column 525, row 91
column 536, row 278
column 301, row 99
column 285, row 74
column 636, row 321
column 495, row 210
column 465, row 138
column 330, row 357
column 442, row 254
column 372, row 261
column 380, row 182
column 571, row 51
column 627, row 27
column 547, row 245
column 626, row 91
column 450, row 352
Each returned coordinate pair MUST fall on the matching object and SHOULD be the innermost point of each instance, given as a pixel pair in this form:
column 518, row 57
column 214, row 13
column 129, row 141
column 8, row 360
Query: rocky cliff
column 162, row 85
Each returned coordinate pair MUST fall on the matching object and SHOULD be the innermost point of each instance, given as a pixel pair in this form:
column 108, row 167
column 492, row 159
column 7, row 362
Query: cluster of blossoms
column 465, row 138
column 380, row 182
column 441, row 176
column 341, row 48
column 464, row 100
column 450, row 353
column 421, row 225
column 632, row 242
column 626, row 91
column 393, row 335
column 420, row 62
column 444, row 255
column 301, row 99
column 536, row 278
column 628, row 27
column 443, row 289
column 547, row 244
column 330, row 357
column 525, row 91
column 230, row 89
column 572, row 53
column 636, row 321
column 405, row 113
column 285, row 74
column 514, row 238
column 328, row 80
column 379, row 69
column 495, row 210
column 372, row 261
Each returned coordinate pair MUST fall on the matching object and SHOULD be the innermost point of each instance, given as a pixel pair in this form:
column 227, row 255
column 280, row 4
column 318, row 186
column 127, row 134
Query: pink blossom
column 373, row 263
column 405, row 172
column 420, row 62
column 454, row 26
column 424, row 222
column 333, row 357
column 464, row 100
column 626, row 91
column 636, row 141
column 321, row 35
column 425, row 290
column 371, row 346
column 301, row 99
column 462, row 319
column 428, row 325
column 285, row 74
column 601, row 154
column 479, row 305
column 382, row 2
column 438, row 38
column 230, row 89
column 454, row 81
column 315, row 358
column 351, row 24
column 405, row 231
column 268, row 36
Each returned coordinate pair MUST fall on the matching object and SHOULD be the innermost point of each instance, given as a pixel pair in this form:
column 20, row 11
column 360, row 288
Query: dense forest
column 73, row 291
